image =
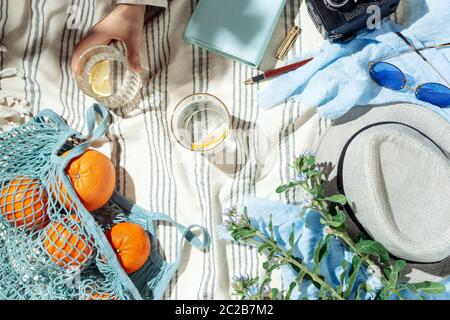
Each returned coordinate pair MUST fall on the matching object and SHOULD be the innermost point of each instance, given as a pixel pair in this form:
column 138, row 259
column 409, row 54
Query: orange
column 102, row 296
column 23, row 203
column 93, row 177
column 131, row 243
column 65, row 244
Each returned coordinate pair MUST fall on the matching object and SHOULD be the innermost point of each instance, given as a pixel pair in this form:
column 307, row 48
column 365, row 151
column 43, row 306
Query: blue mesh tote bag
column 51, row 247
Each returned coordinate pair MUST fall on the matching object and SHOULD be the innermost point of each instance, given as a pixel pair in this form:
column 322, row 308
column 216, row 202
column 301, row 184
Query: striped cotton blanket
column 151, row 168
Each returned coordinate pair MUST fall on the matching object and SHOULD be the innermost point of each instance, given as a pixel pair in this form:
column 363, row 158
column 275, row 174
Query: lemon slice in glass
column 99, row 78
column 210, row 141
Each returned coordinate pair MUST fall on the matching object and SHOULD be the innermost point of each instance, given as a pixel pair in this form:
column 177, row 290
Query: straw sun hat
column 392, row 162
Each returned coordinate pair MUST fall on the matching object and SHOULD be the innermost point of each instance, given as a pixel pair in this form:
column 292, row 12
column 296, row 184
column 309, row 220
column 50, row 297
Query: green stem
column 351, row 244
column 287, row 258
column 345, row 237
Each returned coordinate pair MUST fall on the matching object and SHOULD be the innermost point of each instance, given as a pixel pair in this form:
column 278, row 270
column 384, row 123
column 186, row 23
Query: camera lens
column 341, row 5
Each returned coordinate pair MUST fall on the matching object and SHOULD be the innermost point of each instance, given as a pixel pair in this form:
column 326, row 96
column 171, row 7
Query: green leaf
column 282, row 189
column 286, row 187
column 385, row 293
column 310, row 161
column 338, row 198
column 399, row 265
column 317, row 191
column 411, row 288
column 292, row 237
column 298, row 164
column 291, row 288
column 299, row 279
column 263, row 247
column 270, row 226
column 324, row 251
column 393, row 278
column 243, row 234
column 312, row 173
column 356, row 265
column 344, row 265
column 302, row 213
column 323, row 293
column 393, row 273
column 338, row 220
column 430, row 287
column 271, row 255
column 272, row 268
column 274, row 293
column 373, row 248
column 387, row 272
column 321, row 251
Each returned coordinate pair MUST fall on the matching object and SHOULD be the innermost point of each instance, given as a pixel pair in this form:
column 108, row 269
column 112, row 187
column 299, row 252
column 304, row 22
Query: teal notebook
column 237, row 29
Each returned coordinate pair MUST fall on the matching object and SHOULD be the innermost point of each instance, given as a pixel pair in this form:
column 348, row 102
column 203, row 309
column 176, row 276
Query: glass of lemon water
column 201, row 123
column 102, row 72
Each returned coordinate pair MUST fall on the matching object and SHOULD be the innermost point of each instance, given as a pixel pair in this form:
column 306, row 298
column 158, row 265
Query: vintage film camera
column 340, row 20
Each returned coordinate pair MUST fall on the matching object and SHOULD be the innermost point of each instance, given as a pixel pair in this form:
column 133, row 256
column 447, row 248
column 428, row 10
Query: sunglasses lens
column 388, row 76
column 434, row 93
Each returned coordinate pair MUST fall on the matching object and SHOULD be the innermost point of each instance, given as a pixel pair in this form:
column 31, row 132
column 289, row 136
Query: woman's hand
column 125, row 23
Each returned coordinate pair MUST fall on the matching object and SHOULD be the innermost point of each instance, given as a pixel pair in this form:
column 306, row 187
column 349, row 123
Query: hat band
column 340, row 180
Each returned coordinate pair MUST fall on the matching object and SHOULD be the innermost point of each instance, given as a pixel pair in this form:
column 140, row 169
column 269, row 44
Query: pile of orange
column 24, row 204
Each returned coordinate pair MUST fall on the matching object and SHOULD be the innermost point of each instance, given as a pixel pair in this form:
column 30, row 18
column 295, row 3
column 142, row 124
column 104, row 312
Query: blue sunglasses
column 391, row 77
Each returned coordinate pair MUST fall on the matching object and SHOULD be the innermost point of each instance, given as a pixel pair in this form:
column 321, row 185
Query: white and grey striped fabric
column 151, row 168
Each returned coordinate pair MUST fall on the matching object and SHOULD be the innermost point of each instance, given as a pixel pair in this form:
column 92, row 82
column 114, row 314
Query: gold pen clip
column 288, row 42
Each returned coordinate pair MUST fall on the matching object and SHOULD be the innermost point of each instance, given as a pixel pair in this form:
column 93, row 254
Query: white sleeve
column 156, row 3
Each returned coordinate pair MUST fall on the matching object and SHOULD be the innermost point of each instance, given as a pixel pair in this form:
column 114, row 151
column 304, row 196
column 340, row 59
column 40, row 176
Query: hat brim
column 335, row 138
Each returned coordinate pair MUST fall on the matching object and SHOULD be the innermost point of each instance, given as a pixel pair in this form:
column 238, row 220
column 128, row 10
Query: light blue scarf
column 338, row 78
column 308, row 232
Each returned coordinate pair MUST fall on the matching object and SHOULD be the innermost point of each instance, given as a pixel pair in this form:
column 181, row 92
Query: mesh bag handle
column 94, row 133
column 144, row 217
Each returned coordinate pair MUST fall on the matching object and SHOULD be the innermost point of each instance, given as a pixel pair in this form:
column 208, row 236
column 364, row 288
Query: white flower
column 237, row 218
column 228, row 212
column 223, row 232
column 309, row 198
column 306, row 153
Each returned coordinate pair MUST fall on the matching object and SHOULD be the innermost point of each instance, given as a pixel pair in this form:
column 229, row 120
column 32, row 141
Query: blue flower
column 253, row 290
column 223, row 232
column 300, row 177
column 242, row 278
column 318, row 169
